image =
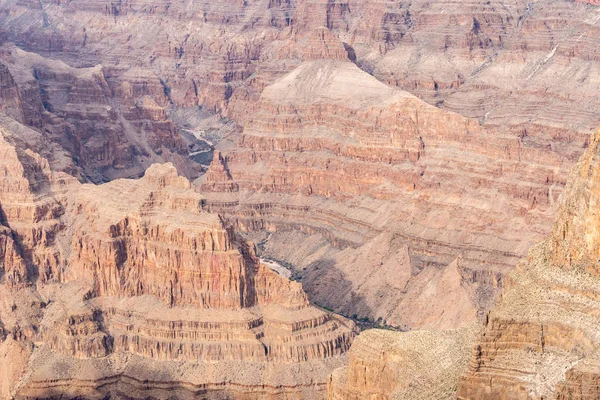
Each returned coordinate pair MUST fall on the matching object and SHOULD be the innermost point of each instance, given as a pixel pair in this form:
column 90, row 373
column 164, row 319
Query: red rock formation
column 503, row 64
column 328, row 134
column 125, row 279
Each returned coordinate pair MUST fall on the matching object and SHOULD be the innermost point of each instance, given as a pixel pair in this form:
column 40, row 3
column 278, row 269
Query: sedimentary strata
column 121, row 86
column 131, row 288
column 398, row 185
column 541, row 340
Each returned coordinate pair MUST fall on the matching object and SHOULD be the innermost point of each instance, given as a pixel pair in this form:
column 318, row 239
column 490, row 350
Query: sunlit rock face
column 540, row 340
column 387, row 365
column 104, row 287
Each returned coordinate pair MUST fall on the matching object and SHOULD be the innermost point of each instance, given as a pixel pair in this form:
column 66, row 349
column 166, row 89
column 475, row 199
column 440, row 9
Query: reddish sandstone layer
column 133, row 282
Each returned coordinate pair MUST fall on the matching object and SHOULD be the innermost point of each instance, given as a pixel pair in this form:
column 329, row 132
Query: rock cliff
column 131, row 287
column 541, row 340
column 397, row 187
column 458, row 178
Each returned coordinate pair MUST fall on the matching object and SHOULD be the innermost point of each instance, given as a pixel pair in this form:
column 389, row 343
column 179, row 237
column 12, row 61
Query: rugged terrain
column 541, row 340
column 397, row 157
column 453, row 185
column 131, row 289
column 414, row 365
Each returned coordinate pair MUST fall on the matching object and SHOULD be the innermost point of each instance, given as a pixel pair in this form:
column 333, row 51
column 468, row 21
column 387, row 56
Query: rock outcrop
column 131, row 287
column 541, row 340
column 111, row 127
column 387, row 365
column 396, row 186
column 462, row 181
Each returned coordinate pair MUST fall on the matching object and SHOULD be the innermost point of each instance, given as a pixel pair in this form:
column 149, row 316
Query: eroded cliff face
column 112, row 127
column 501, row 62
column 541, row 340
column 401, row 188
column 132, row 288
column 120, row 86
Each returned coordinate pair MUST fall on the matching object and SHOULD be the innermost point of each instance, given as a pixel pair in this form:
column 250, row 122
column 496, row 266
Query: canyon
column 131, row 288
column 538, row 341
column 202, row 198
column 464, row 137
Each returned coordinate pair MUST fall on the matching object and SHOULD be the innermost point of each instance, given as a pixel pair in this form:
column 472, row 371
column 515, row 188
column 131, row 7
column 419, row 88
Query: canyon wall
column 387, row 365
column 132, row 288
column 417, row 201
column 541, row 340
column 451, row 186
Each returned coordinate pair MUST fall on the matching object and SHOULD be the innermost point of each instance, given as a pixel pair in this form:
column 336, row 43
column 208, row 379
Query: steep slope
column 131, row 288
column 541, row 340
column 398, row 186
column 111, row 127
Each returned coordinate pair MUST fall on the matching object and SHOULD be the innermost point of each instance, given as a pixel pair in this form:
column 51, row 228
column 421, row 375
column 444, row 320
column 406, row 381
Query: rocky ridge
column 540, row 341
column 413, row 365
column 500, row 65
column 105, row 287
column 386, row 191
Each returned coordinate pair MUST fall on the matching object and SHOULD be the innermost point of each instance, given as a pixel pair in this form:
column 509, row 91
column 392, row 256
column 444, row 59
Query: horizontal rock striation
column 330, row 150
column 540, row 341
column 461, row 180
column 133, row 277
column 500, row 62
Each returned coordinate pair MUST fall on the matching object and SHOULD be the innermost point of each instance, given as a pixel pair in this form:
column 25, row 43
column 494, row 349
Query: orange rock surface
column 105, row 287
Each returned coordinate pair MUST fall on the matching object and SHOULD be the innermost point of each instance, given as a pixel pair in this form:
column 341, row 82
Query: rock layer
column 396, row 184
column 105, row 287
column 540, row 341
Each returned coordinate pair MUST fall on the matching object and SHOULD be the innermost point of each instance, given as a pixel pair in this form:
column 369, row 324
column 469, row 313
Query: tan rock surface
column 131, row 287
column 541, row 340
column 403, row 365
